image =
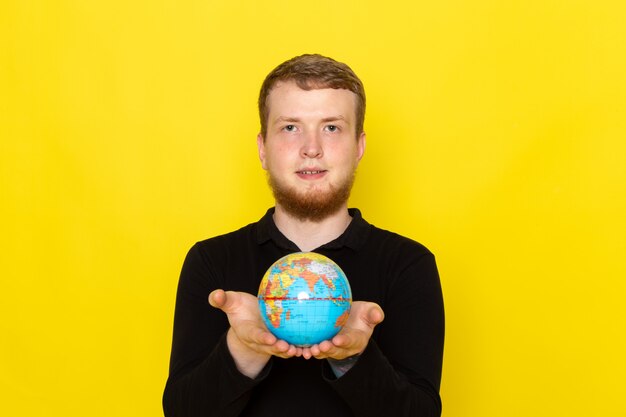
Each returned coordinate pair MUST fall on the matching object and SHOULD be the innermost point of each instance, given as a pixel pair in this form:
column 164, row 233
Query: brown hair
column 313, row 71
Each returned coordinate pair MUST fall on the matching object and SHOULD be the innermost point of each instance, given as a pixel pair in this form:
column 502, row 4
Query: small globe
column 304, row 298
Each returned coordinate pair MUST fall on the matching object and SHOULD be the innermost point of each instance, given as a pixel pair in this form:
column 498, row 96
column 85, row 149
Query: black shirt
column 397, row 375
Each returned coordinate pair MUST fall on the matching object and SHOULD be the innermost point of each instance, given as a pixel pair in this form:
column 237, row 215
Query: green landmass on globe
column 304, row 298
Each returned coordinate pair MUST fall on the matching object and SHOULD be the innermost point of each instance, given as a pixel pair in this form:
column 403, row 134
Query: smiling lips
column 311, row 173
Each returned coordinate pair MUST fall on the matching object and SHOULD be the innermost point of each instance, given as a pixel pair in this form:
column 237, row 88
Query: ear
column 360, row 146
column 260, row 143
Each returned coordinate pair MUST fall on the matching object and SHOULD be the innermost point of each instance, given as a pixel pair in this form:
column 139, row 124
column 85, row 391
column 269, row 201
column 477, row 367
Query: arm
column 399, row 372
column 203, row 377
column 217, row 358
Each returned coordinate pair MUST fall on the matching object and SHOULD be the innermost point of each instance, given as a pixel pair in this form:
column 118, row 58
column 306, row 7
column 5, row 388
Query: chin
column 313, row 205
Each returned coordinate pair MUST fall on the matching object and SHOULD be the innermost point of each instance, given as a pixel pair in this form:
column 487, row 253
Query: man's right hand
column 249, row 342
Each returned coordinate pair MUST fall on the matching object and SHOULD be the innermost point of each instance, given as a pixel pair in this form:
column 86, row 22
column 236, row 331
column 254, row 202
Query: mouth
column 311, row 174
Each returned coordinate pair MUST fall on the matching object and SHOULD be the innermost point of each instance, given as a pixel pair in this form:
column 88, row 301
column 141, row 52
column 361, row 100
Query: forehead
column 286, row 99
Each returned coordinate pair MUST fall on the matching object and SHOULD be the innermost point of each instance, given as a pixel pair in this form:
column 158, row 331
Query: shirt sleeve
column 399, row 372
column 341, row 366
column 203, row 378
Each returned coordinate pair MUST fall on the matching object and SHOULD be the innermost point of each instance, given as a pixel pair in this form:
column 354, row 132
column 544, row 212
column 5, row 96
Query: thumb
column 220, row 299
column 375, row 315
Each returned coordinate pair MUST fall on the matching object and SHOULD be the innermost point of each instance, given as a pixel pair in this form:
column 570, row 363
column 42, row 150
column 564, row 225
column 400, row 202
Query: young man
column 224, row 360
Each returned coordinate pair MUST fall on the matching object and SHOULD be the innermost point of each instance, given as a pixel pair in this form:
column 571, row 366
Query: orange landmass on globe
column 276, row 289
column 302, row 262
column 275, row 312
column 341, row 320
column 277, row 286
column 311, row 279
column 329, row 282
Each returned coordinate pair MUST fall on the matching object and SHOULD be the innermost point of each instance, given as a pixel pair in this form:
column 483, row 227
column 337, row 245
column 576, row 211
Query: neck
column 308, row 235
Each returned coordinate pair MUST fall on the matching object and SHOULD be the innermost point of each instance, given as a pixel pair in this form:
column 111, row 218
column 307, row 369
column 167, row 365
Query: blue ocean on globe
column 304, row 298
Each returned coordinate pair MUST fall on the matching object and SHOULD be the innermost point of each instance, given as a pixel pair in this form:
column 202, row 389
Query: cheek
column 344, row 153
column 278, row 156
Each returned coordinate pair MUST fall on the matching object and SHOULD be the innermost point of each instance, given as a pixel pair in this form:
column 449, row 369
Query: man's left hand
column 353, row 337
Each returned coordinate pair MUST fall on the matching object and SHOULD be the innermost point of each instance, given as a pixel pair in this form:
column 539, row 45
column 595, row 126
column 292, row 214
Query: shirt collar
column 354, row 236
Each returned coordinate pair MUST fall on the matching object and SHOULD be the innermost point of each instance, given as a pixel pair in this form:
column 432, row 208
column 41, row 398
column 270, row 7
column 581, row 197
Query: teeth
column 311, row 172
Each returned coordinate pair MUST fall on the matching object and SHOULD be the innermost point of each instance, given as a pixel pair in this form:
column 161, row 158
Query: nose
column 312, row 146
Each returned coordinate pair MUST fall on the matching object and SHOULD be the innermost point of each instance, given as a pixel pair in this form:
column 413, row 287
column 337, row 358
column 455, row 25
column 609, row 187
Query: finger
column 323, row 347
column 217, row 298
column 292, row 351
column 267, row 338
column 283, row 350
column 341, row 340
column 375, row 315
column 282, row 346
column 306, row 353
column 251, row 334
column 225, row 300
column 262, row 337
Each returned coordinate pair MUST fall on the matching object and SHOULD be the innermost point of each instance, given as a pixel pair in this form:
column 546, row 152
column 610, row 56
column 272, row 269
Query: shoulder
column 396, row 243
column 218, row 246
column 393, row 254
column 209, row 260
column 371, row 238
column 399, row 257
column 396, row 265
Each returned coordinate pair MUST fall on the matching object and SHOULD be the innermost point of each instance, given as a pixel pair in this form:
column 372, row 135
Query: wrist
column 248, row 361
column 341, row 366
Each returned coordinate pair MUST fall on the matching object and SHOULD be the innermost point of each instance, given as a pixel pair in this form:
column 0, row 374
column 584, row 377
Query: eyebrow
column 286, row 119
column 334, row 119
column 295, row 119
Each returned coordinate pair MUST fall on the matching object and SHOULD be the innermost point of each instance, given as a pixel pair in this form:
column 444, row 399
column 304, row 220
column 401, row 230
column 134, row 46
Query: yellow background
column 496, row 137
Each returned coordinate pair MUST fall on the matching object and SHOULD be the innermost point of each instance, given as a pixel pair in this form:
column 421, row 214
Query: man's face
column 311, row 149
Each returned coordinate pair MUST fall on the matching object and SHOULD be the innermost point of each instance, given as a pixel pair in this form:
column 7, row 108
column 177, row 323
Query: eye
column 290, row 128
column 332, row 128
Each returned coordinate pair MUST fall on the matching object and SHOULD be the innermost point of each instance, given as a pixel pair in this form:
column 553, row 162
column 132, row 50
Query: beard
column 312, row 204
